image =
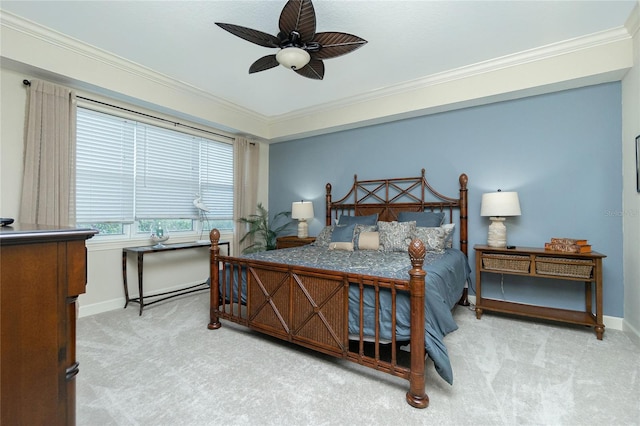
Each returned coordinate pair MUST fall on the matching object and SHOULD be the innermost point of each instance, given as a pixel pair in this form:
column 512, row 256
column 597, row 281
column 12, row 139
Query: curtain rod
column 28, row 83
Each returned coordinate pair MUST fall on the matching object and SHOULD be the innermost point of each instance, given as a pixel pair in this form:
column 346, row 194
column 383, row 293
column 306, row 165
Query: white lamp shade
column 293, row 57
column 302, row 210
column 500, row 204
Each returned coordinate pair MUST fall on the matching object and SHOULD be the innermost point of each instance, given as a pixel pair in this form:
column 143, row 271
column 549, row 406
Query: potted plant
column 260, row 233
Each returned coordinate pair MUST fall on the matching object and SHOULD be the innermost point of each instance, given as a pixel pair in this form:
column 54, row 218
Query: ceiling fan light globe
column 293, row 57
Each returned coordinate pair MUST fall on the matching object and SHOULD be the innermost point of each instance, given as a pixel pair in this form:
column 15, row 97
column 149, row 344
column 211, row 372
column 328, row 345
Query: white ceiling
column 407, row 40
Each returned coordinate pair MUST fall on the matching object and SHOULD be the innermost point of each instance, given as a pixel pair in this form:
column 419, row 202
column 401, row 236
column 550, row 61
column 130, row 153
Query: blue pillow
column 423, row 219
column 358, row 220
column 342, row 233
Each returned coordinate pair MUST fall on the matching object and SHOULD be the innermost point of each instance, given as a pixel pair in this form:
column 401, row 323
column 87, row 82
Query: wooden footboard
column 310, row 307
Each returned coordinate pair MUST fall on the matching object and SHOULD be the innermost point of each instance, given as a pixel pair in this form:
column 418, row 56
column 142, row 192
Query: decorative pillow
column 395, row 236
column 435, row 239
column 342, row 237
column 423, row 219
column 432, row 238
column 358, row 230
column 343, row 233
column 362, row 220
column 448, row 237
column 324, row 237
column 368, row 241
column 347, row 246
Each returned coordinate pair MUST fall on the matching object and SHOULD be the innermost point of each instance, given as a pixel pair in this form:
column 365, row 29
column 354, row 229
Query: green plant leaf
column 260, row 233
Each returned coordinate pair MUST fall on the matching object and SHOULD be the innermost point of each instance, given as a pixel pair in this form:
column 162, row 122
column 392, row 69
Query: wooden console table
column 140, row 252
column 541, row 263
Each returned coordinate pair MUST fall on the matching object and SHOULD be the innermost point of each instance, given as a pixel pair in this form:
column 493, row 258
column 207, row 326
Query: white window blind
column 216, row 185
column 104, row 168
column 167, row 174
column 128, row 171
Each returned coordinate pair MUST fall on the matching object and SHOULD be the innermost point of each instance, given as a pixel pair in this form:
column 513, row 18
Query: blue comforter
column 446, row 275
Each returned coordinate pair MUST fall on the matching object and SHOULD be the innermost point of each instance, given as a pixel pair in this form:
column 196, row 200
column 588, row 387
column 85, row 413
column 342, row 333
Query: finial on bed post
column 416, row 396
column 214, row 277
column 214, row 236
column 417, row 252
column 464, row 179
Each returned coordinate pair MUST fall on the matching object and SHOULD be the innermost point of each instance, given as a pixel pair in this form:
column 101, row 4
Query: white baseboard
column 113, row 304
column 630, row 329
column 98, row 308
column 614, row 323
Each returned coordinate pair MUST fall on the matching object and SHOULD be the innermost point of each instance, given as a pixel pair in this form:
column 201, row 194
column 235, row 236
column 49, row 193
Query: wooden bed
column 310, row 306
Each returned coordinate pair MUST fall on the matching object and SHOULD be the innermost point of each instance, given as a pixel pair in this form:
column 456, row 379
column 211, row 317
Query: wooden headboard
column 388, row 197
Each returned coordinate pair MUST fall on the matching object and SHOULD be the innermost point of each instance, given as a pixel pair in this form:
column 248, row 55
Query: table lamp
column 302, row 210
column 498, row 205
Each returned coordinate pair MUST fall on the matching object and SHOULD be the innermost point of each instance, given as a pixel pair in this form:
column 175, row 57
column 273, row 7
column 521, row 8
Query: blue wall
column 562, row 152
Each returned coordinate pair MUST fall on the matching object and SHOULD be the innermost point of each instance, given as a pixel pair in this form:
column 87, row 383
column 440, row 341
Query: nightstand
column 541, row 263
column 293, row 241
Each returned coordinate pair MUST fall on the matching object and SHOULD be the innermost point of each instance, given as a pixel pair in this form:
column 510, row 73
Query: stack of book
column 568, row 245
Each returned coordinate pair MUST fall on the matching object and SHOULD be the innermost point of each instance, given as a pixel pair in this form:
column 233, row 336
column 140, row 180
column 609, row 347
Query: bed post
column 464, row 236
column 328, row 205
column 463, row 213
column 416, row 396
column 214, row 276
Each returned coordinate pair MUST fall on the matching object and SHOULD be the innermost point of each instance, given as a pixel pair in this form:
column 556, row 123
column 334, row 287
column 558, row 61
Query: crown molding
column 79, row 48
column 381, row 104
column 470, row 71
column 633, row 22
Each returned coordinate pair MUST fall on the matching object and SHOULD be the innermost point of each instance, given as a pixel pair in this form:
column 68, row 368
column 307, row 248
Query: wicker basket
column 563, row 267
column 506, row 262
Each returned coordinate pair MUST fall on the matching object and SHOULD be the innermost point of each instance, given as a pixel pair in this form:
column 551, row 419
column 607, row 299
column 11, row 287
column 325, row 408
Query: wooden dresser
column 42, row 272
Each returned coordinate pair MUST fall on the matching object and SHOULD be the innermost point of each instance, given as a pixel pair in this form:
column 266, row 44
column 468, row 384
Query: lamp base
column 497, row 236
column 303, row 229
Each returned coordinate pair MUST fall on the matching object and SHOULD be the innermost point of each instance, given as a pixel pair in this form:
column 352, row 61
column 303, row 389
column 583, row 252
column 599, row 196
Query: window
column 130, row 175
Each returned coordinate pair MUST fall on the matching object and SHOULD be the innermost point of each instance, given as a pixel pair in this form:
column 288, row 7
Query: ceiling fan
column 301, row 48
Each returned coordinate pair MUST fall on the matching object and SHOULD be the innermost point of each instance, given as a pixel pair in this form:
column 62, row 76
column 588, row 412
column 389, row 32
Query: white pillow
column 369, row 241
column 347, row 246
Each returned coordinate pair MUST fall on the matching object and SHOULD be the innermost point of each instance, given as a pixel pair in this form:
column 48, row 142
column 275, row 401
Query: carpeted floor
column 167, row 368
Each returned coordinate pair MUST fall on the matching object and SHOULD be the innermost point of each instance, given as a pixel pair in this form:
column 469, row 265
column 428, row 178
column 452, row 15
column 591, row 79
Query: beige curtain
column 246, row 187
column 48, row 184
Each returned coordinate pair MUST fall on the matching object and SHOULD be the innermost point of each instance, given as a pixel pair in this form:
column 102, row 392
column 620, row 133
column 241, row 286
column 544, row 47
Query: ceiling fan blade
column 314, row 69
column 336, row 44
column 254, row 36
column 299, row 16
column 264, row 63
